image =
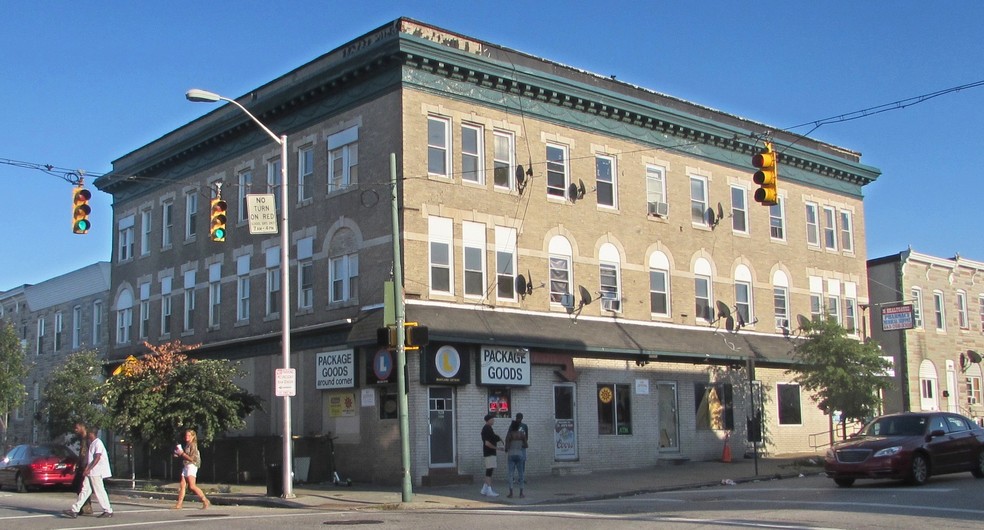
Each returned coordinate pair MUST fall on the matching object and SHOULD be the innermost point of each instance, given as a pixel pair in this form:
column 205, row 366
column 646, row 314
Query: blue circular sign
column 382, row 364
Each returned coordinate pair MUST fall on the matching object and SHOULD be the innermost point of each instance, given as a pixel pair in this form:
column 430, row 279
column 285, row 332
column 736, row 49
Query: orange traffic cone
column 726, row 455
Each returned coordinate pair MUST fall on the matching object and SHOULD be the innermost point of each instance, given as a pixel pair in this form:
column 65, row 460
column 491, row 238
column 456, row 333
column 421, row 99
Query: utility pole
column 401, row 350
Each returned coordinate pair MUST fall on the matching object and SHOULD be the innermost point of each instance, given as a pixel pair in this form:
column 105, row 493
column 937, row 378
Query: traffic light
column 81, row 210
column 766, row 177
column 218, row 230
column 414, row 336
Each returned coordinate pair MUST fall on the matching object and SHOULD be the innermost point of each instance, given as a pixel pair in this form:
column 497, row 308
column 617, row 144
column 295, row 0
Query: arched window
column 659, row 284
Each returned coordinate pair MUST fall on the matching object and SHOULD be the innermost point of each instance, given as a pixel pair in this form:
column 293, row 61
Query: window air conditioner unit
column 608, row 304
column 659, row 209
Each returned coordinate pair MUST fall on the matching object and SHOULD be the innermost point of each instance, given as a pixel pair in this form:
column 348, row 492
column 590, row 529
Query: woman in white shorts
column 192, row 460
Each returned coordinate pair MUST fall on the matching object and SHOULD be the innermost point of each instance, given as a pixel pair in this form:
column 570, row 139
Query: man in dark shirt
column 490, row 446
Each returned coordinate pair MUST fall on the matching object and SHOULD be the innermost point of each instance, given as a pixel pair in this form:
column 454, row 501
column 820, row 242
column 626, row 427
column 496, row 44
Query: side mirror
column 935, row 434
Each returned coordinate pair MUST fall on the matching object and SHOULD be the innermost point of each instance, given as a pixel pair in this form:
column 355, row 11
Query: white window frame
column 473, row 157
column 557, row 170
column 847, row 231
column 344, row 278
column 503, row 159
column 76, row 327
column 188, row 315
column 146, row 226
column 560, row 269
column 124, row 321
column 343, row 159
column 655, row 186
column 698, row 200
column 962, row 318
column 439, row 130
column 939, row 310
column 659, row 265
column 440, row 236
column 97, row 321
column 143, row 329
column 739, row 212
column 917, row 305
column 812, row 225
column 703, row 281
column 245, row 180
column 166, row 307
column 606, row 179
column 242, row 297
column 305, row 284
column 505, row 263
column 829, row 228
column 191, row 214
column 473, row 260
column 167, row 224
column 272, row 291
column 851, row 316
column 305, row 172
column 777, row 220
column 40, row 339
column 274, row 186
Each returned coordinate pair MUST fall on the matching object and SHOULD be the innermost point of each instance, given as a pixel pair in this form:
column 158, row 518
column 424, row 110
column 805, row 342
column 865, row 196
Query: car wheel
column 21, row 487
column 844, row 482
column 918, row 470
column 978, row 470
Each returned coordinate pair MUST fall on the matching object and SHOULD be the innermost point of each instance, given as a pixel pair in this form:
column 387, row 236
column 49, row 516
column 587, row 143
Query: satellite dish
column 720, row 212
column 585, row 295
column 521, row 285
column 723, row 309
column 711, row 218
column 974, row 356
column 729, row 323
column 529, row 283
column 572, row 192
column 803, row 321
column 580, row 189
column 520, row 176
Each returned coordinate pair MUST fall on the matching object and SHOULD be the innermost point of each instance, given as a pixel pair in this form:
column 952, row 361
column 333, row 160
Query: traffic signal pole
column 401, row 350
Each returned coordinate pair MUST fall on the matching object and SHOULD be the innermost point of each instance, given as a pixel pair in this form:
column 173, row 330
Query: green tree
column 153, row 397
column 13, row 371
column 73, row 393
column 842, row 373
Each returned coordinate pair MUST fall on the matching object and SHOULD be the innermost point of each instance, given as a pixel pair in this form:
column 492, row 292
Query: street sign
column 262, row 210
column 286, row 382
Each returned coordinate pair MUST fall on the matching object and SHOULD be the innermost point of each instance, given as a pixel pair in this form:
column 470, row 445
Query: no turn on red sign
column 286, row 384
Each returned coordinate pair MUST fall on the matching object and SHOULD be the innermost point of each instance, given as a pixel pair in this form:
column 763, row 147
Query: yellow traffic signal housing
column 218, row 229
column 414, row 336
column 767, row 176
column 81, row 210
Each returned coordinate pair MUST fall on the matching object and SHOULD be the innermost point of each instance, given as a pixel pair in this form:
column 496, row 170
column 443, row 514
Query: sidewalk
column 539, row 489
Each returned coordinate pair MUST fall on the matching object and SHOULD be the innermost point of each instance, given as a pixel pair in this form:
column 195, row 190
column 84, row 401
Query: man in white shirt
column 94, row 473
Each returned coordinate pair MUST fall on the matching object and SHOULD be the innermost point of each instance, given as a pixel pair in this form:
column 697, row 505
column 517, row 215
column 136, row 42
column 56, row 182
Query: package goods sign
column 504, row 366
column 335, row 369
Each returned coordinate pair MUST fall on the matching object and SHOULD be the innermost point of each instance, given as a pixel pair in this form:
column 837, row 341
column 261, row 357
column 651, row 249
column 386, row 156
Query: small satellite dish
column 520, row 176
column 572, row 192
column 529, row 282
column 521, row 285
column 803, row 321
column 723, row 309
column 974, row 356
column 729, row 323
column 711, row 218
column 580, row 189
column 585, row 295
column 720, row 212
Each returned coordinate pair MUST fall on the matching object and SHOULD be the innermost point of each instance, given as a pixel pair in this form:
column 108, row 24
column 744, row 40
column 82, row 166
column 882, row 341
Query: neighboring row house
column 937, row 354
column 583, row 250
column 53, row 319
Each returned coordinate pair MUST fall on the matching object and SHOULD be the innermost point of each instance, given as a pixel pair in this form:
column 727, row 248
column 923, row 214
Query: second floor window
column 656, row 190
column 962, row 319
column 503, row 159
column 739, row 209
column 829, row 229
column 777, row 222
column 939, row 311
column 471, row 154
column 344, row 277
column 473, row 252
column 812, row 225
column 343, row 159
column 167, row 223
column 698, row 200
column 847, row 231
column 245, row 179
column 440, row 236
column 605, row 180
column 505, row 263
column 557, row 172
column 191, row 214
column 305, row 170
column 274, row 177
column 702, row 298
column 917, row 320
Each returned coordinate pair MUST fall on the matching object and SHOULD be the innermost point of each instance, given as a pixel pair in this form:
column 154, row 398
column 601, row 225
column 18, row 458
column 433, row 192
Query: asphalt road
column 802, row 503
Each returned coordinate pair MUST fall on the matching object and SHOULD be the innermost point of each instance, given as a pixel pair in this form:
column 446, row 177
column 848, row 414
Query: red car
column 33, row 466
column 910, row 446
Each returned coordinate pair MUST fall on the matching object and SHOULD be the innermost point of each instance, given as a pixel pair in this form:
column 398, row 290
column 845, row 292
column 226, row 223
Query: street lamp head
column 202, row 96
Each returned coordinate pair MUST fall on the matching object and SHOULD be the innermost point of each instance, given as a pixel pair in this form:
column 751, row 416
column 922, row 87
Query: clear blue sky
column 84, row 83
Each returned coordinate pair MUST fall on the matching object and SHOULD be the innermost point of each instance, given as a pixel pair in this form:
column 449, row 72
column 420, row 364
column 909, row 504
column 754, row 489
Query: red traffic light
column 766, row 177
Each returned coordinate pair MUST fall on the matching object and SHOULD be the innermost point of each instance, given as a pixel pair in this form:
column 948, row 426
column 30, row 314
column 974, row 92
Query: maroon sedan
column 910, row 446
column 33, row 466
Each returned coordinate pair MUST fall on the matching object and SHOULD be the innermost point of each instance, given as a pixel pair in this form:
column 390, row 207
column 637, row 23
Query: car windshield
column 51, row 450
column 897, row 426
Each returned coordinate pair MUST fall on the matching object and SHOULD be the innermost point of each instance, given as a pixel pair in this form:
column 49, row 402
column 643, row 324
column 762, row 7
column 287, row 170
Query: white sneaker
column 492, row 493
column 485, row 489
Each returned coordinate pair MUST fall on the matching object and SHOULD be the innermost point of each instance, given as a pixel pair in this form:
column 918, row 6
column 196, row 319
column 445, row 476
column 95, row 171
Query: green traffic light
column 81, row 226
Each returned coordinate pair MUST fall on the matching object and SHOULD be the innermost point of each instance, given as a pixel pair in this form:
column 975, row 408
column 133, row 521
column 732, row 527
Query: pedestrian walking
column 82, row 432
column 192, row 460
column 490, row 447
column 95, row 471
column 516, row 449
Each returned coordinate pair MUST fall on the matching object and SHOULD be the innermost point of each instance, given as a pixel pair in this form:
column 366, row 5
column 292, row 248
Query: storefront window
column 614, row 409
column 715, row 408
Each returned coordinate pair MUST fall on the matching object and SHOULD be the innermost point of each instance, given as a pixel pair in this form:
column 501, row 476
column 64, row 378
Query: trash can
column 275, row 480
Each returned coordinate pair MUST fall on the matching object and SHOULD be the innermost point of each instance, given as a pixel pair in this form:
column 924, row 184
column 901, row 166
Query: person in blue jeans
column 516, row 445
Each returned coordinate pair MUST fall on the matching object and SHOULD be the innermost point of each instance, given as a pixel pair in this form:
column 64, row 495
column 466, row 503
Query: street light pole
column 198, row 95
